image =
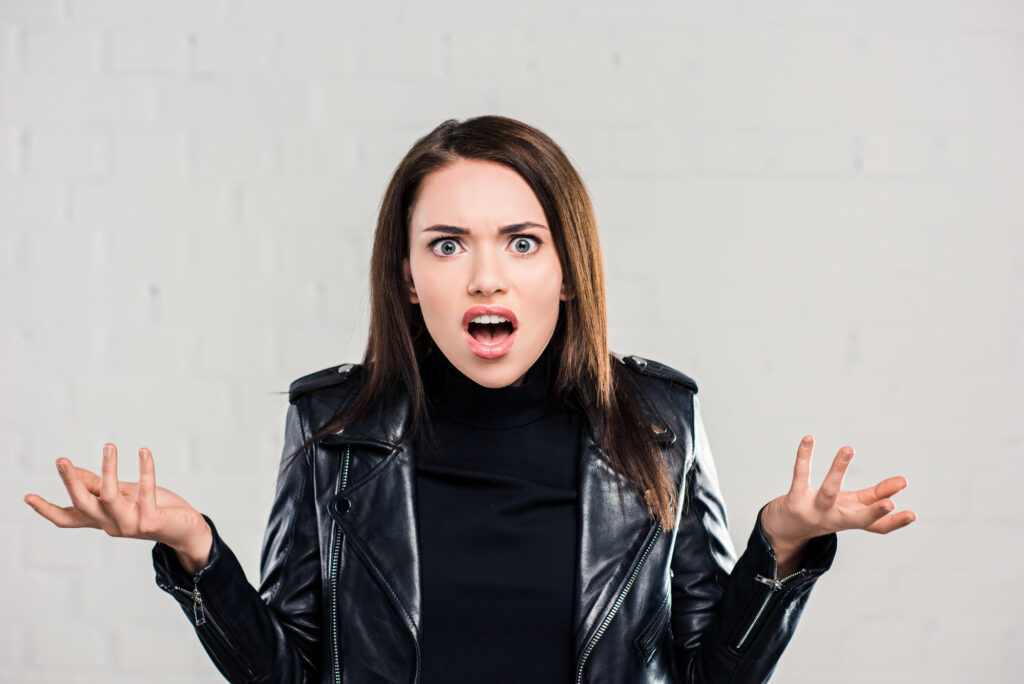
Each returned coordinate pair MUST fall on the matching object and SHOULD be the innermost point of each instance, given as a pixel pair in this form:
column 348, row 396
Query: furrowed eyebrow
column 504, row 230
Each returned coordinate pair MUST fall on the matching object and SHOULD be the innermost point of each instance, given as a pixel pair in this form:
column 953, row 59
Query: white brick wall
column 813, row 208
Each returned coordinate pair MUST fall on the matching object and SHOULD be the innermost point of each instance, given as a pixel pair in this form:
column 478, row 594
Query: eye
column 520, row 240
column 446, row 250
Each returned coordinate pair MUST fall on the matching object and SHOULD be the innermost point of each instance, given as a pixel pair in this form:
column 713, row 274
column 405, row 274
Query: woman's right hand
column 128, row 509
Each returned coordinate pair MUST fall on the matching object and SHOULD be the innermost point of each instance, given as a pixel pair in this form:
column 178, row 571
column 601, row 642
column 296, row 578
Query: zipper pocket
column 615, row 607
column 775, row 585
column 651, row 635
column 201, row 614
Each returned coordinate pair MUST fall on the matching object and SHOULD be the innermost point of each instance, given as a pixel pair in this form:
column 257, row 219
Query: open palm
column 804, row 513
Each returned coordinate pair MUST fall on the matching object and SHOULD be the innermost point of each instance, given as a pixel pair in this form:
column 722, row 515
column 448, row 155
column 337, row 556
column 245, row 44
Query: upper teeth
column 490, row 319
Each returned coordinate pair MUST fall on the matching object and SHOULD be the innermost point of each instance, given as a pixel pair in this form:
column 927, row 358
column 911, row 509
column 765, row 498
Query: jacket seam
column 290, row 529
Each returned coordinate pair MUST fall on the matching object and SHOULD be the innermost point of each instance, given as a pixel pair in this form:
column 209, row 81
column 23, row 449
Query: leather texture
column 339, row 594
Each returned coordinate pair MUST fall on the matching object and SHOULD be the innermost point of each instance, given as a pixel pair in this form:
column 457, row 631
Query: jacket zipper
column 341, row 484
column 616, row 605
column 776, row 585
column 200, row 613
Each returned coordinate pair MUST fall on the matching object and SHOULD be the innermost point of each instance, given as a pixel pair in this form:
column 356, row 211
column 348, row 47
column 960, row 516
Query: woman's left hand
column 789, row 521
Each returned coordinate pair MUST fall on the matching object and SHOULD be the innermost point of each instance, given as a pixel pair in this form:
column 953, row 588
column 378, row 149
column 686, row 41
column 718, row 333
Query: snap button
column 345, row 368
column 342, row 506
column 639, row 361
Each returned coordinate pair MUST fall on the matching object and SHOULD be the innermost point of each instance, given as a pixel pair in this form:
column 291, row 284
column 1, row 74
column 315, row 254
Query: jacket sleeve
column 271, row 634
column 731, row 618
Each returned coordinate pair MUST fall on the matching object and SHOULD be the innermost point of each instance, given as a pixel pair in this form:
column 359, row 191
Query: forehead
column 475, row 193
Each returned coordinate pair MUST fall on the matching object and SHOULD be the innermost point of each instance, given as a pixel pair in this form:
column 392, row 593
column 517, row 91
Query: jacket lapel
column 610, row 538
column 377, row 513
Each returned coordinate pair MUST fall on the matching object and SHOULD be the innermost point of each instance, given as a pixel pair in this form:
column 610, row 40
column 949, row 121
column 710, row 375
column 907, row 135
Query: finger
column 833, row 482
column 89, row 479
column 886, row 487
column 110, row 496
column 893, row 521
column 802, row 468
column 147, row 488
column 59, row 516
column 92, row 482
column 82, row 499
column 865, row 517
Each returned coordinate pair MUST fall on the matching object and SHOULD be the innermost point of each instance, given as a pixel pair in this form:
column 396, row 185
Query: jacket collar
column 378, row 516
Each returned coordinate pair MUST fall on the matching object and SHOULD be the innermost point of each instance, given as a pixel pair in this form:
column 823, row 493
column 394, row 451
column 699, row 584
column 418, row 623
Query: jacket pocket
column 653, row 631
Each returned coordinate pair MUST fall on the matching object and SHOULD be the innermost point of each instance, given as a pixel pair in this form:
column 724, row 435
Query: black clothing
column 497, row 529
column 340, row 597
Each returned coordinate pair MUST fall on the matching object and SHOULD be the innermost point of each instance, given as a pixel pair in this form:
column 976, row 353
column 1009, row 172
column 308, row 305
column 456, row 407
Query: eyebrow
column 504, row 230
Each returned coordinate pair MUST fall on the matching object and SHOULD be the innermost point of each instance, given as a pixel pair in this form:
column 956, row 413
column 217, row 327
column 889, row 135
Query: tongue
column 490, row 334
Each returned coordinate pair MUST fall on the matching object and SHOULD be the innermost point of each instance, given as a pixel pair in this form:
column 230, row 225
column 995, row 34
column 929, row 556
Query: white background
column 812, row 208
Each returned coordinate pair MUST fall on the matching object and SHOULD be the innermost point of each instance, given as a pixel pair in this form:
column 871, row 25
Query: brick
column 140, row 51
column 151, row 204
column 144, row 13
column 317, row 50
column 219, row 103
column 229, row 155
column 62, row 151
column 318, row 154
column 231, row 51
column 149, row 154
column 68, row 51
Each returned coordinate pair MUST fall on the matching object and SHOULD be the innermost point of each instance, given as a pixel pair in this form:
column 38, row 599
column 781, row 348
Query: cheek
column 544, row 291
column 434, row 289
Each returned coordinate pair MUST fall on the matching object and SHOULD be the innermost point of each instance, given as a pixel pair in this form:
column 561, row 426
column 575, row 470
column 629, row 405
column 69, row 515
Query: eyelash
column 539, row 242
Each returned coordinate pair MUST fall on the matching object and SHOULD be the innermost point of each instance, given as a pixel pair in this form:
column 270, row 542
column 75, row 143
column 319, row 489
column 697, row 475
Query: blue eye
column 440, row 240
column 521, row 239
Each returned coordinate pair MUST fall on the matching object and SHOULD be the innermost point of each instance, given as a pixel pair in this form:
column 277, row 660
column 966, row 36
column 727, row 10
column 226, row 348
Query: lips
column 474, row 311
column 497, row 347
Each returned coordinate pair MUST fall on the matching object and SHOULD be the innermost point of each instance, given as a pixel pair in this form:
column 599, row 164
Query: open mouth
column 491, row 333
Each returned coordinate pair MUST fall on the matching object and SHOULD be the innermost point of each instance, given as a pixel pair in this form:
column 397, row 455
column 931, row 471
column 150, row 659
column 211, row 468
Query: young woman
column 491, row 495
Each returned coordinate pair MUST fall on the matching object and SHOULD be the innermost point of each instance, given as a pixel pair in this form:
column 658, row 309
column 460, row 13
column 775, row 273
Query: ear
column 565, row 295
column 407, row 273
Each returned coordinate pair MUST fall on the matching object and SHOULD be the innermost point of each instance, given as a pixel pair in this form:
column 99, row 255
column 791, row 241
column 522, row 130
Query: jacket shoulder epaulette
column 333, row 375
column 659, row 370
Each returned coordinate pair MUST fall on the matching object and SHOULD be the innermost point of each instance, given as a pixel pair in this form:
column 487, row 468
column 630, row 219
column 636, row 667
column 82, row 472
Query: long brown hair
column 586, row 370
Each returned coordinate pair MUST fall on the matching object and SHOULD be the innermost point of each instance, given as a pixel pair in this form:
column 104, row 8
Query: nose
column 486, row 278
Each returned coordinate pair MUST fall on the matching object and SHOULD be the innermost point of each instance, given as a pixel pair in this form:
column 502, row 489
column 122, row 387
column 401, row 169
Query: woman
column 491, row 495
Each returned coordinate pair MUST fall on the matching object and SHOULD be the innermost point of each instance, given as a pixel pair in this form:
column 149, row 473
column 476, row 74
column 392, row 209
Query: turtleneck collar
column 462, row 399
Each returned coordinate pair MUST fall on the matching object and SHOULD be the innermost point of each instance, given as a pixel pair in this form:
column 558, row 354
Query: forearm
column 247, row 639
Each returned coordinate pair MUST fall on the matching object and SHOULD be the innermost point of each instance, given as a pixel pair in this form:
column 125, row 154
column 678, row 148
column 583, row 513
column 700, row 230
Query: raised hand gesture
column 128, row 509
column 789, row 521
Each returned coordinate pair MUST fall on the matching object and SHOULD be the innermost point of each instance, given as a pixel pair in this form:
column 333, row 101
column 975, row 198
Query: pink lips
column 489, row 351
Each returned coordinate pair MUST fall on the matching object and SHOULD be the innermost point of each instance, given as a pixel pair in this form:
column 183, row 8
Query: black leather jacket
column 339, row 596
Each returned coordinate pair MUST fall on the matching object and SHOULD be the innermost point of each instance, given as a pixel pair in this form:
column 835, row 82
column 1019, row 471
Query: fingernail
column 143, row 453
column 807, row 441
column 107, row 451
column 60, row 467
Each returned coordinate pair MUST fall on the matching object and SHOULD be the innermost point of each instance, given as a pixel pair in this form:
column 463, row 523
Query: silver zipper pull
column 773, row 583
column 197, row 608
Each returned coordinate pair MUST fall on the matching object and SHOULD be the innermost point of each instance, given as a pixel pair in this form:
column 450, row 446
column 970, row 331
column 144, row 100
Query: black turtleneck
column 496, row 505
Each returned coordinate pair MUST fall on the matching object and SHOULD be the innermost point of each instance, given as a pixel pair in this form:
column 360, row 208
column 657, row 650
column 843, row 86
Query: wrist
column 782, row 546
column 195, row 552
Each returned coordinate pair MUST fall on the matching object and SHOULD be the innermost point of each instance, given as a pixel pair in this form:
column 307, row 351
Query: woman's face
column 478, row 238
